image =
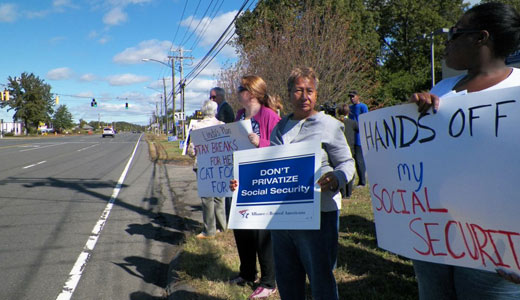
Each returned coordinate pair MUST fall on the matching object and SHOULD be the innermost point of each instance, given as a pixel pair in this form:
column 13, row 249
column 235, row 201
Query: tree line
column 381, row 48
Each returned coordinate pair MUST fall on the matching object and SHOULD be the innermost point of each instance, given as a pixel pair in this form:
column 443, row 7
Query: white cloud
column 115, row 16
column 153, row 49
column 8, row 12
column 88, row 77
column 60, row 74
column 126, row 79
column 213, row 31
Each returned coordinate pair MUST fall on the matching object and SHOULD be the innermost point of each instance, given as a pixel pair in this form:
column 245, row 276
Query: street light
column 432, row 48
column 172, row 66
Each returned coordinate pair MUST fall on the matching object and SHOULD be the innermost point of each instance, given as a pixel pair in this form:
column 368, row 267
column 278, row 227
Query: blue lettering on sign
column 285, row 181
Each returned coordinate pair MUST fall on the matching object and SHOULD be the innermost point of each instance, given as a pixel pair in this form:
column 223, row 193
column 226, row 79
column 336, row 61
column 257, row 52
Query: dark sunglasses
column 212, row 97
column 456, row 32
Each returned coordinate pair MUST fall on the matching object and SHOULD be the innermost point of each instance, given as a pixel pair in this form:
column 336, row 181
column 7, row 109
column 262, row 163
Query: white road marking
column 39, row 163
column 83, row 258
column 79, row 150
column 38, row 148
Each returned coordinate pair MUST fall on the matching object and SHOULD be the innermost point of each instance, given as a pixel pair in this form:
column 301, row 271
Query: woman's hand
column 254, row 139
column 425, row 101
column 514, row 278
column 233, row 184
column 328, row 182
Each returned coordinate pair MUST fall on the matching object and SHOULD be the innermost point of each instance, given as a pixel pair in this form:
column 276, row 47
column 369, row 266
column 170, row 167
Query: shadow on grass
column 374, row 273
column 149, row 270
column 196, row 266
column 187, row 295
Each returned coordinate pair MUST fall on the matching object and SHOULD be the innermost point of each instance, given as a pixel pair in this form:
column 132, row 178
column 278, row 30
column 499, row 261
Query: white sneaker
column 262, row 292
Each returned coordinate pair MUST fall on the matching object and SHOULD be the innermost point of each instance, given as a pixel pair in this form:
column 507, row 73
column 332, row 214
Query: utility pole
column 165, row 105
column 172, row 61
column 181, row 57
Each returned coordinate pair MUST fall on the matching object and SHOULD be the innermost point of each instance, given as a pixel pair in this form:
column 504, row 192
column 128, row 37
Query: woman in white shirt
column 479, row 43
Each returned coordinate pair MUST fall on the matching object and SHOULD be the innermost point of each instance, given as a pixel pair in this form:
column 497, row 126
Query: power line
column 198, row 24
column 191, row 21
column 213, row 14
column 204, row 61
column 179, row 25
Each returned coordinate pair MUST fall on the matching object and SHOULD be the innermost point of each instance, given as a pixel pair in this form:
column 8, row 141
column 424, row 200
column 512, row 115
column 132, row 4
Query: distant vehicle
column 108, row 132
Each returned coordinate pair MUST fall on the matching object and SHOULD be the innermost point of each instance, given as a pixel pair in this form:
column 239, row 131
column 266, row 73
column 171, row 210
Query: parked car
column 108, row 132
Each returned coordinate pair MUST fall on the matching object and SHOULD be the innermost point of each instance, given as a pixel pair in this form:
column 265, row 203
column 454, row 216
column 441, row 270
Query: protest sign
column 214, row 147
column 444, row 185
column 277, row 187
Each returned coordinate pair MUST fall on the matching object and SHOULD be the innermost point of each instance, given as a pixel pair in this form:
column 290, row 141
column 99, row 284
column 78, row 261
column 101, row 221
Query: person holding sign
column 213, row 208
column 479, row 43
column 260, row 108
column 298, row 253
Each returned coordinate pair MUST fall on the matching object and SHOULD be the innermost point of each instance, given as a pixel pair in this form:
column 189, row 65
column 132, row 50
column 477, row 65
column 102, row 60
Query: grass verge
column 364, row 271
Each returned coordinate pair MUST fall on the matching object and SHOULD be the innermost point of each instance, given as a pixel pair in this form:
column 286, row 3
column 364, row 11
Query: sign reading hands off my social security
column 444, row 186
column 277, row 187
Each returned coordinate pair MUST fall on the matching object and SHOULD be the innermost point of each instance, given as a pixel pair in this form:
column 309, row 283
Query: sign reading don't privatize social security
column 277, row 188
column 444, row 186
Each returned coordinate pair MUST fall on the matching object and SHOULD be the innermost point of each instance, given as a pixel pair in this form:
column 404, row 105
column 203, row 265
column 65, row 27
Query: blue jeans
column 298, row 253
column 444, row 282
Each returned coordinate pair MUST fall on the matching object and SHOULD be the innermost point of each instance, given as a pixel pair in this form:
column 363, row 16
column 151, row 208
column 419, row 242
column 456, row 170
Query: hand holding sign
column 328, row 181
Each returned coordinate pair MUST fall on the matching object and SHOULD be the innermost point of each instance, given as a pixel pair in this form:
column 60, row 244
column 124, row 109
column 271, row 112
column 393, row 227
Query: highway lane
column 53, row 192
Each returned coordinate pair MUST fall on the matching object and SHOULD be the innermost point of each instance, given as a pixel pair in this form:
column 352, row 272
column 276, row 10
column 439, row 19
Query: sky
column 87, row 49
column 95, row 49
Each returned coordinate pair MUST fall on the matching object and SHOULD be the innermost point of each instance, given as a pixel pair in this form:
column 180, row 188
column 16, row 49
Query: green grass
column 364, row 271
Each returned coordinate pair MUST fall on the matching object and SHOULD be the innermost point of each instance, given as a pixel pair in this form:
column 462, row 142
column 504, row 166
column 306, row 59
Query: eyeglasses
column 212, row 97
column 456, row 32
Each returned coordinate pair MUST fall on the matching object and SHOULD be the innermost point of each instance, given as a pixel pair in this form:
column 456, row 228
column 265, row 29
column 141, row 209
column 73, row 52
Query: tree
column 404, row 27
column 31, row 99
column 281, row 35
column 62, row 119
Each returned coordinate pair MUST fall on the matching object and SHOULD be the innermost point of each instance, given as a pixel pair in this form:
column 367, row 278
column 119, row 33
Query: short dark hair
column 352, row 93
column 502, row 22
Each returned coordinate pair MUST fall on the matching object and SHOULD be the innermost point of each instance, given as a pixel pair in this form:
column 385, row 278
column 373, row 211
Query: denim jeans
column 444, row 282
column 298, row 253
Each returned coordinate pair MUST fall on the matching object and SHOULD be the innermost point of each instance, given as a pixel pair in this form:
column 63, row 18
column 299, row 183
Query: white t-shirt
column 444, row 88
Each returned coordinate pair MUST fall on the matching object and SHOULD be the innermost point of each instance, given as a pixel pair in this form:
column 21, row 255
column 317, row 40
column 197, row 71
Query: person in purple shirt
column 357, row 108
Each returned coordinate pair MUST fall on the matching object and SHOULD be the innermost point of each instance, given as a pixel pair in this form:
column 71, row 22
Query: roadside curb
column 182, row 189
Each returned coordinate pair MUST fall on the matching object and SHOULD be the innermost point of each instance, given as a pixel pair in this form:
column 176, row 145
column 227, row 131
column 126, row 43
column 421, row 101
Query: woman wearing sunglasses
column 479, row 43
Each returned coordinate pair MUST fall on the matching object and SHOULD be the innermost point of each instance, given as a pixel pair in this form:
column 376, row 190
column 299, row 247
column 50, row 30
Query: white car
column 108, row 132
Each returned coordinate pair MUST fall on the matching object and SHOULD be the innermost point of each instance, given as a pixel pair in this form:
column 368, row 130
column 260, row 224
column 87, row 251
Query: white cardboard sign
column 444, row 186
column 277, row 187
column 214, row 147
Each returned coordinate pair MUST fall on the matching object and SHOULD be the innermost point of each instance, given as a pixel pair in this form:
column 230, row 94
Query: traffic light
column 57, row 100
column 5, row 95
column 93, row 103
column 126, row 105
column 198, row 114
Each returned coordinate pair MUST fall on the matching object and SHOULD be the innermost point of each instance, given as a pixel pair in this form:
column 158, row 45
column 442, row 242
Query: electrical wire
column 189, row 26
column 198, row 24
column 206, row 59
column 213, row 14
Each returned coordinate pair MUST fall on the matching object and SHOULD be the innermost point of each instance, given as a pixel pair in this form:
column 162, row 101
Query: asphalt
column 180, row 189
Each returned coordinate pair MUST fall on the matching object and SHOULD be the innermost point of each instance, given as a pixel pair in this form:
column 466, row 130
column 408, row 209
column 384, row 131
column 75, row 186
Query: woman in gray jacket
column 298, row 253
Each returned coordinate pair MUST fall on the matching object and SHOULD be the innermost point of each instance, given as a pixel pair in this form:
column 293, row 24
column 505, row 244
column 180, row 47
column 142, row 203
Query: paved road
column 53, row 199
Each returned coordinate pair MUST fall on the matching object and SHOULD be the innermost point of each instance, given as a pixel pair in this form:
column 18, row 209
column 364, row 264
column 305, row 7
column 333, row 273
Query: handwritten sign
column 444, row 186
column 277, row 187
column 214, row 147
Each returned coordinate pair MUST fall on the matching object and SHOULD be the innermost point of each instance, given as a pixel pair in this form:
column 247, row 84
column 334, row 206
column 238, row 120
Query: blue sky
column 94, row 49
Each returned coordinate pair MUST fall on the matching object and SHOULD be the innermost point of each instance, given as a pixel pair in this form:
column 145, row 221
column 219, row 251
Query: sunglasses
column 456, row 32
column 212, row 97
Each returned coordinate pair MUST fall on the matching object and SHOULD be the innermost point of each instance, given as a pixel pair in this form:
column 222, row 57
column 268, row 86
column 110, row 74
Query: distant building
column 11, row 127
